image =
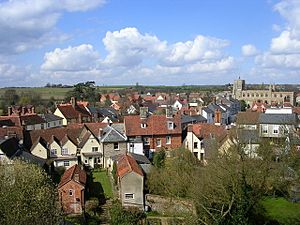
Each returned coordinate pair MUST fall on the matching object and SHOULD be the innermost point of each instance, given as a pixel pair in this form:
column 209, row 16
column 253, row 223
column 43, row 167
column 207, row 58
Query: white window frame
column 158, row 142
column 66, row 163
column 118, row 146
column 71, row 192
column 65, row 151
column 146, row 141
column 53, row 151
column 170, row 125
column 168, row 140
column 275, row 129
column 127, row 196
column 264, row 129
column 195, row 144
column 143, row 125
column 95, row 149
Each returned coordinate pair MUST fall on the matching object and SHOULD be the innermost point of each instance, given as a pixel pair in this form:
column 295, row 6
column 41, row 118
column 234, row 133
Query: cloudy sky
column 157, row 42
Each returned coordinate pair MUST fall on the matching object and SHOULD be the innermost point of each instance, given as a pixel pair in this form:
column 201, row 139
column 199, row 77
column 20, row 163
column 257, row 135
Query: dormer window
column 170, row 125
column 143, row 125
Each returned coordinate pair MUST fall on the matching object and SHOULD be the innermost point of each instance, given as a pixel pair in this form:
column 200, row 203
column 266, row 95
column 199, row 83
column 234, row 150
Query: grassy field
column 103, row 179
column 282, row 211
column 45, row 93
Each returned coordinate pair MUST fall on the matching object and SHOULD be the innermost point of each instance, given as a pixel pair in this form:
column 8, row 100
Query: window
column 48, row 124
column 70, row 192
column 53, row 151
column 201, row 156
column 94, row 149
column 64, row 151
column 168, row 140
column 66, row 163
column 265, row 129
column 131, row 146
column 54, row 123
column 143, row 125
column 275, row 129
column 116, row 146
column 146, row 141
column 170, row 125
column 129, row 196
column 98, row 160
column 158, row 142
column 85, row 161
column 196, row 145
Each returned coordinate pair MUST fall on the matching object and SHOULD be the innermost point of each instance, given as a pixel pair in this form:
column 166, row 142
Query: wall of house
column 58, row 113
column 188, row 143
column 72, row 148
column 175, row 142
column 35, row 126
column 56, row 123
column 132, row 183
column 60, row 163
column 137, row 148
column 109, row 151
column 40, row 151
column 270, row 128
column 55, row 145
column 72, row 203
column 87, row 148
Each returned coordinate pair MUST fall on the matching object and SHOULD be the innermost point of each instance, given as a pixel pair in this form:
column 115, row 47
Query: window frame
column 168, row 140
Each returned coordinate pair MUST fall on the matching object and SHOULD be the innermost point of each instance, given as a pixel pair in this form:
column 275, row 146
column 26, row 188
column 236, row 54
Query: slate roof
column 140, row 159
column 248, row 118
column 9, row 146
column 110, row 134
column 214, row 107
column 248, row 136
column 70, row 173
column 187, row 119
column 208, row 110
column 127, row 164
column 31, row 119
column 155, row 125
column 288, row 119
column 27, row 157
column 199, row 118
column 48, row 117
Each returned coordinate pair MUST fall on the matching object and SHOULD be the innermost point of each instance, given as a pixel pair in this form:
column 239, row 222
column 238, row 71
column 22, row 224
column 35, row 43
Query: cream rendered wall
column 40, row 151
column 72, row 148
column 87, row 148
column 58, row 113
column 55, row 145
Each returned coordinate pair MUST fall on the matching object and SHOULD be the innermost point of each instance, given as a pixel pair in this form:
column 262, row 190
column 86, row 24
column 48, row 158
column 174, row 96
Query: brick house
column 156, row 131
column 71, row 190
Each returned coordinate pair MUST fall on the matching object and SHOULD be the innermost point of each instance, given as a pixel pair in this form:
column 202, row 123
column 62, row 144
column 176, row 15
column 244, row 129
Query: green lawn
column 102, row 178
column 282, row 211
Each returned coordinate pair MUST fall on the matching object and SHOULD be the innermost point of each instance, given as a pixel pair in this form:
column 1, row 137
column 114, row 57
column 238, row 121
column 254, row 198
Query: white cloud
column 79, row 58
column 285, row 43
column 26, row 24
column 132, row 55
column 128, row 47
column 249, row 50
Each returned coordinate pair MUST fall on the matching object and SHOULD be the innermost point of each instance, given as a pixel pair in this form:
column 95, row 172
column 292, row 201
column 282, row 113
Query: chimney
column 9, row 111
column 76, row 177
column 79, row 118
column 32, row 110
column 169, row 112
column 214, row 100
column 143, row 112
column 100, row 132
column 23, row 111
column 218, row 117
column 73, row 102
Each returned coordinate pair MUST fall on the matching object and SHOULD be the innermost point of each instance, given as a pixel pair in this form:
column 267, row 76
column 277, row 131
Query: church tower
column 238, row 87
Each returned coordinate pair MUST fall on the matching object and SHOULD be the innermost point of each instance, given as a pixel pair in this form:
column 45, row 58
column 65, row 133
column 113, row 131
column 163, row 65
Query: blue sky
column 157, row 42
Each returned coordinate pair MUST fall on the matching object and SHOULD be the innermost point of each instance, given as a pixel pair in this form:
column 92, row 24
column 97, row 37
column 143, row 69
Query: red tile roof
column 73, row 113
column 11, row 131
column 206, row 130
column 69, row 175
column 127, row 164
column 95, row 127
column 155, row 125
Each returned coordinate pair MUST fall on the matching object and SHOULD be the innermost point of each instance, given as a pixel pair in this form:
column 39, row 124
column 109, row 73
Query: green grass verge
column 102, row 177
column 282, row 211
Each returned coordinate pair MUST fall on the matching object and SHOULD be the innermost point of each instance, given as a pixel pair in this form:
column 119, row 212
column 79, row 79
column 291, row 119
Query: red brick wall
column 72, row 203
column 175, row 141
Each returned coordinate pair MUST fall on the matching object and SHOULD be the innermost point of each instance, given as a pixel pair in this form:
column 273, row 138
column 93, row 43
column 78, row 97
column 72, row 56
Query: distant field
column 45, row 93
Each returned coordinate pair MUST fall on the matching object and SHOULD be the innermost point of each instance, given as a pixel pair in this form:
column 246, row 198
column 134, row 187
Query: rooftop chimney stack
column 169, row 112
column 23, row 111
column 73, row 102
column 143, row 112
column 9, row 111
